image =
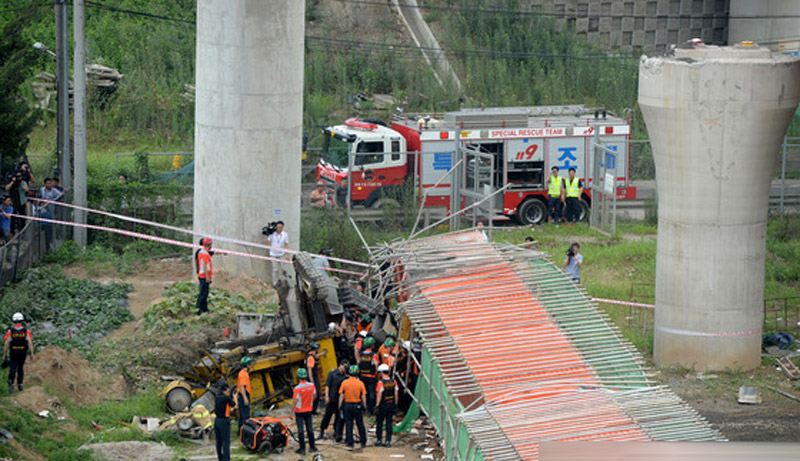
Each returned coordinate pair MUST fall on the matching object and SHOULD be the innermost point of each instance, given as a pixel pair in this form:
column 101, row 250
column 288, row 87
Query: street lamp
column 62, row 114
column 42, row 47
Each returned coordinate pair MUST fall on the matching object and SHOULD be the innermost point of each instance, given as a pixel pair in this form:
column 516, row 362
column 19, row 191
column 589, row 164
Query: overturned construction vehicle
column 314, row 307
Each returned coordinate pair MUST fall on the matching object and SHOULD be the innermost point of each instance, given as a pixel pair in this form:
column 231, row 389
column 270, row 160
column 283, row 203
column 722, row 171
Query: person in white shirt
column 278, row 242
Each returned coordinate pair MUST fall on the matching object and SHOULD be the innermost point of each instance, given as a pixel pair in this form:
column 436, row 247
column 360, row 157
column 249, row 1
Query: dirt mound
column 36, row 399
column 124, row 451
column 71, row 376
column 245, row 285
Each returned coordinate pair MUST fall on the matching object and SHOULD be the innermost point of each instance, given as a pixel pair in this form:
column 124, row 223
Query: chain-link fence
column 35, row 240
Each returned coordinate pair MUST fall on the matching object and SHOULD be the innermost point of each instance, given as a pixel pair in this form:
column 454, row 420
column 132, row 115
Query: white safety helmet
column 362, row 333
column 18, row 317
column 407, row 345
column 331, row 326
column 383, row 368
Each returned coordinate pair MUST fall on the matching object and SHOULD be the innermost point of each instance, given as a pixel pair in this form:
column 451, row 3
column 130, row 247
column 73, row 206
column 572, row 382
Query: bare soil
column 409, row 446
column 714, row 395
column 72, row 377
column 36, row 399
column 130, row 451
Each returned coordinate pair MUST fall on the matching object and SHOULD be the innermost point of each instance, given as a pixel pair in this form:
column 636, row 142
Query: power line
column 571, row 15
column 117, row 9
column 27, row 7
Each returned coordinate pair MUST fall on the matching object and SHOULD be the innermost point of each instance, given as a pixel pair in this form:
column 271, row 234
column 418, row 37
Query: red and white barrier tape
column 624, row 303
column 675, row 331
column 170, row 241
column 187, row 231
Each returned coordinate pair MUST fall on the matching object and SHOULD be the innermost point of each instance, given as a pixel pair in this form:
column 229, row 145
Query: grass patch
column 54, row 304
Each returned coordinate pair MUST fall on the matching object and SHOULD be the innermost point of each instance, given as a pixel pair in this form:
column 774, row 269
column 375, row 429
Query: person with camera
column 573, row 262
column 278, row 242
column 18, row 190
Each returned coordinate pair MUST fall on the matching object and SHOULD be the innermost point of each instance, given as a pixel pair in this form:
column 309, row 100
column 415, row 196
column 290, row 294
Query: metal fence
column 35, row 240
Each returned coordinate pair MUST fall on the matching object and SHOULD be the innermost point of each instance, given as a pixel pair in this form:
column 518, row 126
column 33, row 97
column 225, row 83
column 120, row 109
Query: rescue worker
column 244, row 391
column 332, row 385
column 352, row 400
column 408, row 371
column 223, row 403
column 359, row 344
column 314, row 371
column 365, row 323
column 17, row 343
column 386, row 352
column 573, row 188
column 367, row 367
column 303, row 398
column 204, row 272
column 555, row 195
column 386, row 401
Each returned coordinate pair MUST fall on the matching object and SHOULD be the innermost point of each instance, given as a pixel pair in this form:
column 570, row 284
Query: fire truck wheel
column 584, row 213
column 532, row 211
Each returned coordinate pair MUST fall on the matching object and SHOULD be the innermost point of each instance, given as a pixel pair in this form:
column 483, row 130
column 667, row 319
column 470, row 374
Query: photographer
column 573, row 261
column 18, row 190
column 278, row 241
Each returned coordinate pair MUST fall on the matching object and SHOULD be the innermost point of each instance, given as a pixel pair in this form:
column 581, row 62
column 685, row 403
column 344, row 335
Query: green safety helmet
column 392, row 335
column 246, row 361
column 366, row 318
column 389, row 342
column 369, row 341
column 353, row 370
column 302, row 373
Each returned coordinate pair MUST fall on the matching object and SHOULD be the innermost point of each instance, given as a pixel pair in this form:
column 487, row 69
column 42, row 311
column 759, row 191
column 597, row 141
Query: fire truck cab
column 513, row 148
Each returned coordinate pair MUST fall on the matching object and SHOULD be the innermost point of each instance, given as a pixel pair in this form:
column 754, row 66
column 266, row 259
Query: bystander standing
column 319, row 196
column 5, row 218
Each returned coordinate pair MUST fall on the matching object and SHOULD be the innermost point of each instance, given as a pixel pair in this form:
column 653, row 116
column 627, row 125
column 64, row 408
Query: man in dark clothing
column 19, row 340
column 386, row 396
column 223, row 403
column 332, row 384
column 367, row 368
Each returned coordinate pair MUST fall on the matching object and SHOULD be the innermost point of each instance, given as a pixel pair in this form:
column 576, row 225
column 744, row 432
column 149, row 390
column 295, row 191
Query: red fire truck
column 513, row 147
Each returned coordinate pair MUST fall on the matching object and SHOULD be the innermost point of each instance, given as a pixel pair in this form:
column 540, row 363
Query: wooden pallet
column 789, row 368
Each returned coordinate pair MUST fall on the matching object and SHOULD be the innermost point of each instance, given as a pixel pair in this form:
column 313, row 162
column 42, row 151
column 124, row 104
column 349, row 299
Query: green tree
column 17, row 57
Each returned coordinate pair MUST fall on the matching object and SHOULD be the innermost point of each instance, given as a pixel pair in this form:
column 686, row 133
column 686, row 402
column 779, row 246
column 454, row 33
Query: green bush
column 55, row 305
column 179, row 309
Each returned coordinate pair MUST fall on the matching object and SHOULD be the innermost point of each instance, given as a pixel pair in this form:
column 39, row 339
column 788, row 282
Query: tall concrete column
column 248, row 122
column 716, row 117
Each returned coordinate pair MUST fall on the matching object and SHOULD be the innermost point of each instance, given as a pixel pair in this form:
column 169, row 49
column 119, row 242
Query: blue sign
column 611, row 159
column 567, row 156
column 442, row 161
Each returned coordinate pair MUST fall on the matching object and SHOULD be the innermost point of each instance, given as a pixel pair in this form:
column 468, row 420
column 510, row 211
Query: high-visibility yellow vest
column 573, row 190
column 555, row 186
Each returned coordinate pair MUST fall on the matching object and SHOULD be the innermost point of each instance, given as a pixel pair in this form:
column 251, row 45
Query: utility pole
column 79, row 101
column 62, row 80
